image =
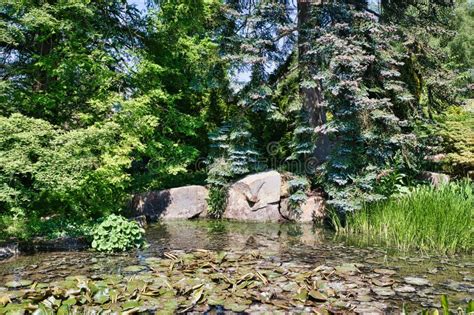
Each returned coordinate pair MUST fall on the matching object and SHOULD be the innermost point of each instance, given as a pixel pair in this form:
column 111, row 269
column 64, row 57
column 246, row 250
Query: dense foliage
column 99, row 100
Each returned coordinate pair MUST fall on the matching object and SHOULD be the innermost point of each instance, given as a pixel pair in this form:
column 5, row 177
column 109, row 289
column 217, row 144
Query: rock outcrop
column 255, row 198
column 177, row 203
column 261, row 197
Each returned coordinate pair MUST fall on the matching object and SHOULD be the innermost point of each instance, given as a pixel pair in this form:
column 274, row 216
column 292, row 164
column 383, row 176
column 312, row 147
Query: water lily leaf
column 13, row 309
column 302, row 295
column 134, row 268
column 168, row 307
column 18, row 283
column 405, row 289
column 384, row 282
column 214, row 300
column 387, row 272
column 347, row 269
column 43, row 310
column 383, row 291
column 114, row 295
column 234, row 306
column 416, row 281
column 5, row 299
column 52, row 302
column 290, row 287
column 364, row 298
column 196, row 296
column 102, row 296
column 69, row 302
column 317, row 296
column 220, row 257
column 63, row 310
column 136, row 284
column 131, row 304
column 152, row 261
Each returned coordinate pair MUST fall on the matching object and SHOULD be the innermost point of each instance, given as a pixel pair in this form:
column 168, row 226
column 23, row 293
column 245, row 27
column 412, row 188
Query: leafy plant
column 217, row 201
column 297, row 188
column 392, row 183
column 117, row 234
column 457, row 131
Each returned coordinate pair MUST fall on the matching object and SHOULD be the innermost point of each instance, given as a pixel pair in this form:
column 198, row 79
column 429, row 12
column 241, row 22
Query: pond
column 219, row 266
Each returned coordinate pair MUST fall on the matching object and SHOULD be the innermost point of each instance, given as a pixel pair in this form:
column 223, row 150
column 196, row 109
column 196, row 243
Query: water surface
column 415, row 279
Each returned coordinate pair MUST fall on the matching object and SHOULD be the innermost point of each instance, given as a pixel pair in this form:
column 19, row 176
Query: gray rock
column 436, row 179
column 255, row 198
column 312, row 210
column 176, row 203
column 8, row 250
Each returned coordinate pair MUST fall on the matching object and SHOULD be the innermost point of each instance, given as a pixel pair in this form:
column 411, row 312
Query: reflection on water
column 301, row 244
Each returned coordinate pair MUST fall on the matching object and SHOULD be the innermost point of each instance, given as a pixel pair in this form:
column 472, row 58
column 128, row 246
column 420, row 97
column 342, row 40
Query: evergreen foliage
column 99, row 100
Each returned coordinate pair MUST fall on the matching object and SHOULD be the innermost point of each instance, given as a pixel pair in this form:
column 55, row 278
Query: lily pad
column 383, row 291
column 405, row 289
column 416, row 281
column 131, row 304
column 134, row 268
column 102, row 296
column 18, row 283
column 234, row 306
column 317, row 296
column 387, row 272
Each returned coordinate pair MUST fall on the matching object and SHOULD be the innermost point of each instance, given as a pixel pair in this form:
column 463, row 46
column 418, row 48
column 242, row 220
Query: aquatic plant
column 203, row 281
column 426, row 219
column 116, row 233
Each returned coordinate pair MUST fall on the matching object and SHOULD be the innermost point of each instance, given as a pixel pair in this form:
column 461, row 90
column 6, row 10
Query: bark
column 312, row 98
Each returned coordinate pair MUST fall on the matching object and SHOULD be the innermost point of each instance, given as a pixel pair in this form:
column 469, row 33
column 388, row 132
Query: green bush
column 426, row 219
column 458, row 136
column 116, row 234
column 217, row 201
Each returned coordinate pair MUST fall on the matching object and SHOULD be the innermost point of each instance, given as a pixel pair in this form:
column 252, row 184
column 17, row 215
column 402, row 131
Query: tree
column 62, row 59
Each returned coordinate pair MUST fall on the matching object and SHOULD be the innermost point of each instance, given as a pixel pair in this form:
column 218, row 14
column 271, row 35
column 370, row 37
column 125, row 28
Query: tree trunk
column 312, row 98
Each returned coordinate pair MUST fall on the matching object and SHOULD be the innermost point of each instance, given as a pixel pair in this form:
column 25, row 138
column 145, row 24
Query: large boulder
column 176, row 203
column 255, row 198
column 313, row 210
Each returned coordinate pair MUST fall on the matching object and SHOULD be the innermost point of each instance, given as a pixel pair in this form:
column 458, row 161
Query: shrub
column 116, row 234
column 217, row 201
column 458, row 136
column 297, row 187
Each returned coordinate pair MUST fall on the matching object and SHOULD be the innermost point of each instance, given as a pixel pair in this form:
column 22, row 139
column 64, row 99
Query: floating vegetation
column 201, row 280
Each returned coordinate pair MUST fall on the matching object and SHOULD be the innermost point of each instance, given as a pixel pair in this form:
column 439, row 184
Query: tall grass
column 427, row 219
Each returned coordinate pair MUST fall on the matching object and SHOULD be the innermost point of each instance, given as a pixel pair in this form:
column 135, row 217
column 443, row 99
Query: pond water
column 214, row 266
